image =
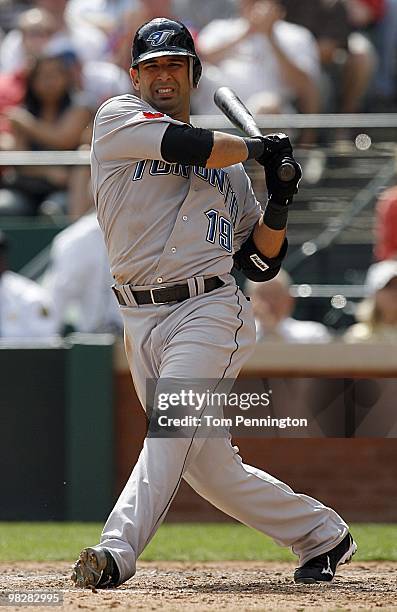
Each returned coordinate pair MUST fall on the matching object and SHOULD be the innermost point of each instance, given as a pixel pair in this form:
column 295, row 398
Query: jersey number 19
column 221, row 227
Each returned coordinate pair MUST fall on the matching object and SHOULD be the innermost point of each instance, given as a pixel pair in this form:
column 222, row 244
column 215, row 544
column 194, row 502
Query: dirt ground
column 232, row 586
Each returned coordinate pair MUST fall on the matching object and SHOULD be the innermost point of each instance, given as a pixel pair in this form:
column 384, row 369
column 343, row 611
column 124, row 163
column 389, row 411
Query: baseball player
column 177, row 211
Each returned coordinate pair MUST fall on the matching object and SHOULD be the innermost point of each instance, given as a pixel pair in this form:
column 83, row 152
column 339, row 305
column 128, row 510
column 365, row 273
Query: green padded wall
column 56, row 426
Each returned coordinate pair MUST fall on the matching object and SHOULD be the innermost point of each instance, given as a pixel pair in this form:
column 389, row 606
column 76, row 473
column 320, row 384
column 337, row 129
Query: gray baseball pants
column 208, row 336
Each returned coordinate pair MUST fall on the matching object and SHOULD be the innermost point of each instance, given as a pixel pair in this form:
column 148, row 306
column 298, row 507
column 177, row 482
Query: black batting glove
column 274, row 145
column 277, row 157
column 277, row 188
column 280, row 193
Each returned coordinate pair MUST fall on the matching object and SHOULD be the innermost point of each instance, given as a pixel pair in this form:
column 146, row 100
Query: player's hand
column 278, row 151
column 277, row 188
column 274, row 146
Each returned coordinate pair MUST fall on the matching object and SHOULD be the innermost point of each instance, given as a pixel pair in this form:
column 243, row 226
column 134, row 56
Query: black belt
column 166, row 295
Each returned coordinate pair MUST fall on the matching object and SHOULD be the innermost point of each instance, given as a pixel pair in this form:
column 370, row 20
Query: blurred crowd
column 60, row 59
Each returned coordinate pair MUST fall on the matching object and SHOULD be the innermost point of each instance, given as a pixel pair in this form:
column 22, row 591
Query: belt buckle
column 119, row 296
column 152, row 296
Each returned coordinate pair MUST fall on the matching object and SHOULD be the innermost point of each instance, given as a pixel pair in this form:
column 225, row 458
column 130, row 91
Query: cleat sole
column 88, row 569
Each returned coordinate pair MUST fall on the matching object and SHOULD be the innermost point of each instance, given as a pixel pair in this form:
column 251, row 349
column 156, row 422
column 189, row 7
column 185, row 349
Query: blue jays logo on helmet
column 160, row 37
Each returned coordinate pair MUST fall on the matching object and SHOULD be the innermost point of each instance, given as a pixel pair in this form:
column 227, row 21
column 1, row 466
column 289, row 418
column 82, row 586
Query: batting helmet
column 165, row 37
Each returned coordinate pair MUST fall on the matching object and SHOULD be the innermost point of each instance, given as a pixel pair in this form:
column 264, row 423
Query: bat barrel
column 252, row 130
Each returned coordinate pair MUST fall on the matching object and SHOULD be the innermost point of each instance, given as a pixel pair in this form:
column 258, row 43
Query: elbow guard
column 184, row 144
column 256, row 266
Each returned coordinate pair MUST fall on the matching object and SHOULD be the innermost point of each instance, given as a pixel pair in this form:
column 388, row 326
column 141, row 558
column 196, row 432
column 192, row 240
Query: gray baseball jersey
column 169, row 223
column 162, row 220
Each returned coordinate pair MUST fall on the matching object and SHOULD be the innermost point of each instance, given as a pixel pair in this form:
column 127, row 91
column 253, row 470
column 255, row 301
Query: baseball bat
column 236, row 111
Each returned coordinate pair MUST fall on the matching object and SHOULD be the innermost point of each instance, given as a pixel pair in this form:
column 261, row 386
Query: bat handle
column 286, row 172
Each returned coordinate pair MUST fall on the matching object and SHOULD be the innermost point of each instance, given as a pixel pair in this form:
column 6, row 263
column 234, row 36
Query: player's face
column 164, row 83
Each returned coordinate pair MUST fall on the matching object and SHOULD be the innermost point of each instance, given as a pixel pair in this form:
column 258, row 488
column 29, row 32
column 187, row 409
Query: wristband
column 255, row 146
column 276, row 214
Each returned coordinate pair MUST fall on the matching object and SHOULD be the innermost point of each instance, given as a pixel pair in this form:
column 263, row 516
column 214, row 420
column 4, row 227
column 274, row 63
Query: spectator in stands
column 271, row 64
column 25, row 307
column 10, row 10
column 94, row 81
column 12, row 91
column 348, row 59
column 377, row 314
column 377, row 19
column 365, row 13
column 386, row 225
column 102, row 14
column 199, row 14
column 115, row 18
column 88, row 42
column 48, row 120
column 35, row 28
column 273, row 305
column 366, row 17
column 140, row 12
column 386, row 43
column 79, row 278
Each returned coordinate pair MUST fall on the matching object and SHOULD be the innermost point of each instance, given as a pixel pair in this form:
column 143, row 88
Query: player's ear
column 134, row 74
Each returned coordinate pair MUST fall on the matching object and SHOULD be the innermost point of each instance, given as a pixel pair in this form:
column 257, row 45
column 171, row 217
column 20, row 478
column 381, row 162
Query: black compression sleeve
column 184, row 144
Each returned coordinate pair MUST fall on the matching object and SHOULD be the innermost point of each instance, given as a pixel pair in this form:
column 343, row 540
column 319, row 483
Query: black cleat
column 95, row 567
column 323, row 567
